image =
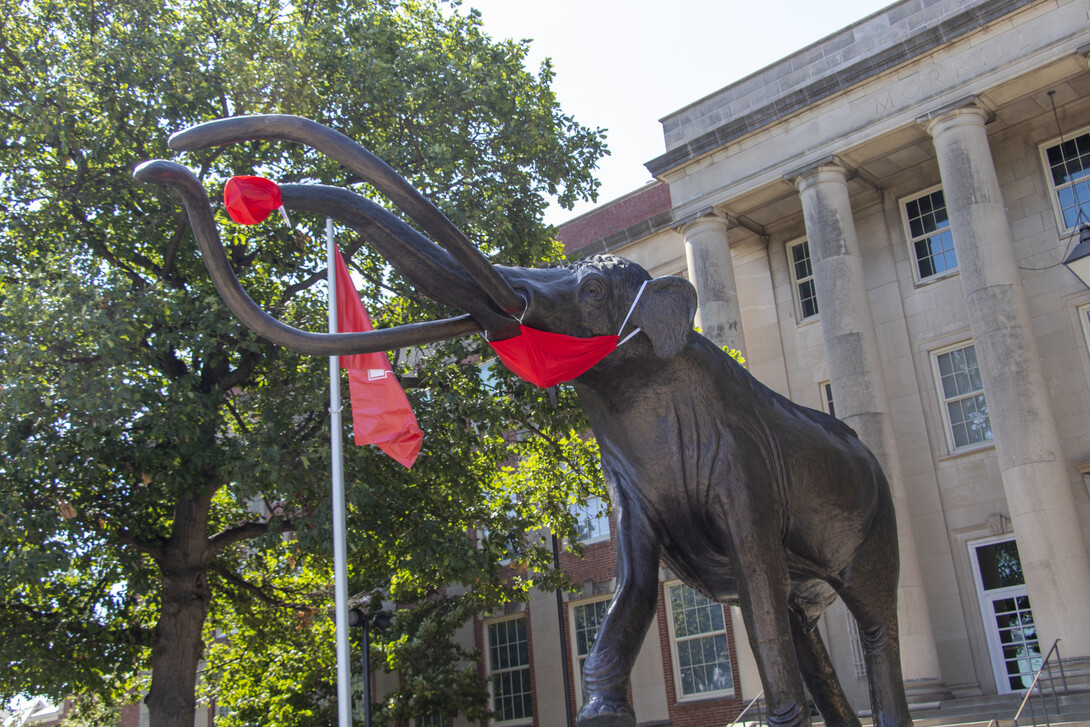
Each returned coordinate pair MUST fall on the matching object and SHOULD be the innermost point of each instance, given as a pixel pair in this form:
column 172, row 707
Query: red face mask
column 546, row 359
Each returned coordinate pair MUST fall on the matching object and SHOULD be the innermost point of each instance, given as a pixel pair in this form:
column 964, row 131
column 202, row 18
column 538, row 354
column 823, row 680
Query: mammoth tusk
column 219, row 267
column 427, row 267
column 371, row 169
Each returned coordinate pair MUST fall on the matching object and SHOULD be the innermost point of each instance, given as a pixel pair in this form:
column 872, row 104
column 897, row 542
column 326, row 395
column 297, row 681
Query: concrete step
column 998, row 711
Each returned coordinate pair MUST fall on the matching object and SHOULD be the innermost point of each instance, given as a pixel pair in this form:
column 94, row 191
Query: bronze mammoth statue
column 746, row 496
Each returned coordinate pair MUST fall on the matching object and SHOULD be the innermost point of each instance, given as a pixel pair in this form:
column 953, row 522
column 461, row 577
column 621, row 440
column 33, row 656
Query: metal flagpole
column 340, row 559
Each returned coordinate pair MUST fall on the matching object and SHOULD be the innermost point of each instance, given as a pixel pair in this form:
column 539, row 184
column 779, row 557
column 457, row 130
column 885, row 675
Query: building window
column 435, row 719
column 929, row 235
column 591, row 520
column 965, row 411
column 586, row 619
column 1067, row 165
column 698, row 644
column 509, row 670
column 827, row 398
column 802, row 276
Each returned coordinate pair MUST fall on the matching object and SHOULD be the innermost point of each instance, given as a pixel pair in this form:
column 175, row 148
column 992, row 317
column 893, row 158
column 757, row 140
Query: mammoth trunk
column 458, row 274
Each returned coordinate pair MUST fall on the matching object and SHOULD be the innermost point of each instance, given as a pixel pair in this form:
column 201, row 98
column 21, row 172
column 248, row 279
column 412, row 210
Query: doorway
column 1005, row 608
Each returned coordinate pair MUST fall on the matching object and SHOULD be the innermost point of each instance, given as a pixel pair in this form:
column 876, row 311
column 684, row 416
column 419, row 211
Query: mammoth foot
column 602, row 711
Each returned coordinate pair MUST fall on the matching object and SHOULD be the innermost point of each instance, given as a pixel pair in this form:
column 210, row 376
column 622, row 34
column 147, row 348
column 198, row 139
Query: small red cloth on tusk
column 250, row 200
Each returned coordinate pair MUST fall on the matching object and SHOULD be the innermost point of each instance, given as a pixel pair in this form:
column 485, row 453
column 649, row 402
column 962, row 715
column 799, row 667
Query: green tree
column 141, row 424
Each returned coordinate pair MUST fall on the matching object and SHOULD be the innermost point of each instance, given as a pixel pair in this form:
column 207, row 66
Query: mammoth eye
column 594, row 289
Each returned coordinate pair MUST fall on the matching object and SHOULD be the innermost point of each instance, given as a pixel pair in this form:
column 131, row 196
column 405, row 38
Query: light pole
column 380, row 620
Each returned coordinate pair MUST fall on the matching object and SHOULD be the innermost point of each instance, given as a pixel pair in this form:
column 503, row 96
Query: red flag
column 250, row 200
column 380, row 410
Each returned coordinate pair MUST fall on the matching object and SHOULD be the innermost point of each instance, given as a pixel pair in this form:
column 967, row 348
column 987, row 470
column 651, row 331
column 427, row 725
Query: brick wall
column 614, row 217
column 598, row 564
column 130, row 715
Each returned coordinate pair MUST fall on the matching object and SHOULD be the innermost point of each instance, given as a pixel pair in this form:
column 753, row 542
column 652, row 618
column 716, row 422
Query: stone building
column 878, row 222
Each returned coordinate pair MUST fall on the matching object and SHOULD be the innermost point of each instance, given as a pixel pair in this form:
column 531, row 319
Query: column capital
column 966, row 111
column 707, row 218
column 829, row 169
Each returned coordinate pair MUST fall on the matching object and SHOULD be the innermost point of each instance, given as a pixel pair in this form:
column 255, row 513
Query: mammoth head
column 603, row 295
column 453, row 272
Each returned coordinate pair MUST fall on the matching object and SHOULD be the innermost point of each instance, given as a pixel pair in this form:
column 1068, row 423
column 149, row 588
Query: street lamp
column 1078, row 261
column 380, row 620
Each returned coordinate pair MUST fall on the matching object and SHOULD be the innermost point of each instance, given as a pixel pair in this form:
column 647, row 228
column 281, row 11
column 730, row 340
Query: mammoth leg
column 609, row 665
column 869, row 588
column 758, row 557
column 808, row 602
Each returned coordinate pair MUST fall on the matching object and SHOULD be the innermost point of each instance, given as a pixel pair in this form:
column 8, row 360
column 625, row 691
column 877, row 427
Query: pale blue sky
column 624, row 64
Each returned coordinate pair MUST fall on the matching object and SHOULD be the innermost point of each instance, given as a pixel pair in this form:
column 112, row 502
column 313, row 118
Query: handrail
column 743, row 712
column 1036, row 677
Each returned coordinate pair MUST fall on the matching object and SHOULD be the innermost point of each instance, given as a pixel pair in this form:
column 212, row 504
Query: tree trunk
column 186, row 596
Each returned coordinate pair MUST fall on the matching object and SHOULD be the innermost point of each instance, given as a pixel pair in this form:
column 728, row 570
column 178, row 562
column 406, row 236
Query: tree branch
column 242, row 584
column 152, row 549
column 245, row 531
column 134, row 633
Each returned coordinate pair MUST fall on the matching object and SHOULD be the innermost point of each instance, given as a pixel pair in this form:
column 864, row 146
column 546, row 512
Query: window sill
column 924, row 282
column 693, row 698
column 967, row 450
column 808, row 321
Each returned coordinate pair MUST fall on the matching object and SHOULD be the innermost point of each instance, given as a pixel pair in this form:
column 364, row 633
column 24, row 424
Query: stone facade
column 876, row 221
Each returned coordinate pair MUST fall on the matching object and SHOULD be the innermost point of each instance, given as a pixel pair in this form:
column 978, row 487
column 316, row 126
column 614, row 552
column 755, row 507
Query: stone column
column 757, row 301
column 707, row 255
column 1035, row 478
column 859, row 391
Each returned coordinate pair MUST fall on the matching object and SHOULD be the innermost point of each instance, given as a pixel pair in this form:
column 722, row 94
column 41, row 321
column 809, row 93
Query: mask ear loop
column 525, row 307
column 629, row 315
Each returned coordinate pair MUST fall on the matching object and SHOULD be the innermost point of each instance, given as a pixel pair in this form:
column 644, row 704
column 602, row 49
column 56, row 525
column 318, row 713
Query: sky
column 624, row 64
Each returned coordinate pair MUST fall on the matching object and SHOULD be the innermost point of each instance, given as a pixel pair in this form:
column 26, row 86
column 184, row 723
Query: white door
column 1004, row 605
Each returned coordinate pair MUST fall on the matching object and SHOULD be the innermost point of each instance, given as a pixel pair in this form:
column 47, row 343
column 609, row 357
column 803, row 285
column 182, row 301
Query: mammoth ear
column 665, row 313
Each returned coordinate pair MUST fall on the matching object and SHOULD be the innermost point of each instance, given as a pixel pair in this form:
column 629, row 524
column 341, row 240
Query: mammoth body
column 748, row 497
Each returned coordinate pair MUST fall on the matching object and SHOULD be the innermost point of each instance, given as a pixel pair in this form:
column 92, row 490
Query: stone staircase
column 990, row 711
column 1073, row 709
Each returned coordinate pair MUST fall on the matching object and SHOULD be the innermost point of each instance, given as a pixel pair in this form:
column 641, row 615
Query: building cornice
column 924, row 41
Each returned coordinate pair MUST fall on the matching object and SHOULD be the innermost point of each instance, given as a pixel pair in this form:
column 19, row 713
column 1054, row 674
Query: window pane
column 924, row 262
column 803, row 276
column 963, row 395
column 929, row 228
column 435, row 719
column 592, row 519
column 700, row 642
column 808, row 299
column 801, row 255
column 1000, row 567
column 509, row 668
column 588, row 619
column 1069, row 165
